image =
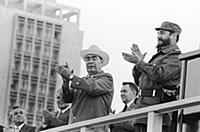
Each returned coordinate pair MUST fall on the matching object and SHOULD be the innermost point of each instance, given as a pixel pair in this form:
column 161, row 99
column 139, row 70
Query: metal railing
column 153, row 113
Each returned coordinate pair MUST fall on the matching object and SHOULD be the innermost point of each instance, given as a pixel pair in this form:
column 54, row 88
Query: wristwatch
column 71, row 76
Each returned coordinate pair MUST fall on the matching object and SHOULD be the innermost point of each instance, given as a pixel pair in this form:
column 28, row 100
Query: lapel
column 64, row 116
column 23, row 129
column 131, row 107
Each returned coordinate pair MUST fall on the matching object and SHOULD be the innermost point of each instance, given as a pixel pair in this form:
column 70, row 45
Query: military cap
column 169, row 26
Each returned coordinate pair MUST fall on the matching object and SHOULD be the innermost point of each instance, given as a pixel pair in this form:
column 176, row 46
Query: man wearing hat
column 158, row 79
column 91, row 96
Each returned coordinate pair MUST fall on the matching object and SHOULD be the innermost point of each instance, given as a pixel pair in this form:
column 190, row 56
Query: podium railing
column 153, row 113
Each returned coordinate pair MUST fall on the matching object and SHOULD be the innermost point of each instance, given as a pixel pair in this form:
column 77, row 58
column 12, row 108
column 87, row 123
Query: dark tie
column 125, row 107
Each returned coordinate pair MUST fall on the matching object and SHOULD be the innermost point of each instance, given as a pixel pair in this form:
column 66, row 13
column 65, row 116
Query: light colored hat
column 93, row 49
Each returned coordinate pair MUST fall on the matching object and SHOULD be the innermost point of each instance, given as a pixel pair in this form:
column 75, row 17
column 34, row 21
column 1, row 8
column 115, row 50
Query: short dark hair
column 132, row 86
column 15, row 107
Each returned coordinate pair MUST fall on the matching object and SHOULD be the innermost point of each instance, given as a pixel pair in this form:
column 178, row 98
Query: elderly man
column 129, row 94
column 18, row 117
column 91, row 96
column 158, row 79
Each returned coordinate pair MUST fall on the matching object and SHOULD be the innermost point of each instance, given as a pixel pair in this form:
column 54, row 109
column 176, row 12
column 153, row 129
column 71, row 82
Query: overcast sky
column 114, row 25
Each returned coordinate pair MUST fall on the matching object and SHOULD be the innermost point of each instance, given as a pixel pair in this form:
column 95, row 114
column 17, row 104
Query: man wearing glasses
column 158, row 79
column 91, row 96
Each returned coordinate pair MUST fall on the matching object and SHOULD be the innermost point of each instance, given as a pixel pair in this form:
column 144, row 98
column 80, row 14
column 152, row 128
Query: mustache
column 90, row 64
column 160, row 39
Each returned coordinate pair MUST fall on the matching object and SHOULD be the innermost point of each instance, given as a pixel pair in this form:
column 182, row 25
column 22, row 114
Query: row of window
column 37, row 28
column 46, row 51
column 26, row 68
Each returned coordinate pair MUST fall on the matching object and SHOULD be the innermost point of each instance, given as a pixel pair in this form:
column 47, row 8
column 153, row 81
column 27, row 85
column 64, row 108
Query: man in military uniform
column 157, row 79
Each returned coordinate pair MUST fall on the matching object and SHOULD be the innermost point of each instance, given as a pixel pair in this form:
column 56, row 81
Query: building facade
column 36, row 35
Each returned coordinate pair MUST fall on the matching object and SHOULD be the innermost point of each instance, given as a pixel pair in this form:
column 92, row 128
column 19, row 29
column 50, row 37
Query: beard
column 163, row 42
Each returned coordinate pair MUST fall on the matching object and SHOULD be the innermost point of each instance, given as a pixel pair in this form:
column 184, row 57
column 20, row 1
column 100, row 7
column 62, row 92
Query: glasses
column 94, row 58
column 18, row 113
column 161, row 32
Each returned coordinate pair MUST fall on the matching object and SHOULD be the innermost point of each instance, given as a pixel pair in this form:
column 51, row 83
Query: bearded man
column 158, row 79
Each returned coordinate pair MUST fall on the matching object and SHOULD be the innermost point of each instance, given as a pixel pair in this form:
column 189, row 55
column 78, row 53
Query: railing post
column 182, row 94
column 154, row 123
column 83, row 129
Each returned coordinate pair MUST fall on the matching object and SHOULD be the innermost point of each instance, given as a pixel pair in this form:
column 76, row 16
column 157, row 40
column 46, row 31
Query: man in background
column 59, row 117
column 18, row 118
column 129, row 94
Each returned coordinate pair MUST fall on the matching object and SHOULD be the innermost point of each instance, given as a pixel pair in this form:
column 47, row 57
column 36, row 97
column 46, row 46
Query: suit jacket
column 27, row 128
column 126, row 126
column 53, row 120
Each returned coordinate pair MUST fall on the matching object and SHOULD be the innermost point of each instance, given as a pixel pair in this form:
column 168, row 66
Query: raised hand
column 136, row 55
column 136, row 52
column 130, row 58
column 64, row 71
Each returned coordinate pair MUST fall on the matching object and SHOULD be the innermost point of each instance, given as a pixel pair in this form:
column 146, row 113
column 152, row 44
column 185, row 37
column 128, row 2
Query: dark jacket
column 55, row 120
column 162, row 71
column 91, row 97
column 27, row 128
column 1, row 128
column 127, row 126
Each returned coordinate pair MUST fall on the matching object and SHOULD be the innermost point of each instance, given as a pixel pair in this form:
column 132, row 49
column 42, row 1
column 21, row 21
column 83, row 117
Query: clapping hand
column 64, row 70
column 136, row 56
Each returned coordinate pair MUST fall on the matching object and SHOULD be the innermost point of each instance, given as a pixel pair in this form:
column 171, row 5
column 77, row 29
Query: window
column 46, row 51
column 14, row 85
column 48, row 31
column 22, row 101
column 26, row 66
column 35, row 69
column 37, row 51
column 44, row 69
column 39, row 29
column 28, row 47
column 55, row 54
column 24, row 83
column 33, row 87
column 17, row 65
column 43, row 86
column 19, row 46
column 31, row 107
column 30, row 27
column 40, row 106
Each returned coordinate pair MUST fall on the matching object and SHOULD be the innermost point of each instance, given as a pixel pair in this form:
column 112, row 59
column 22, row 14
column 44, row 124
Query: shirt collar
column 168, row 48
column 63, row 111
column 20, row 127
column 96, row 75
column 129, row 103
